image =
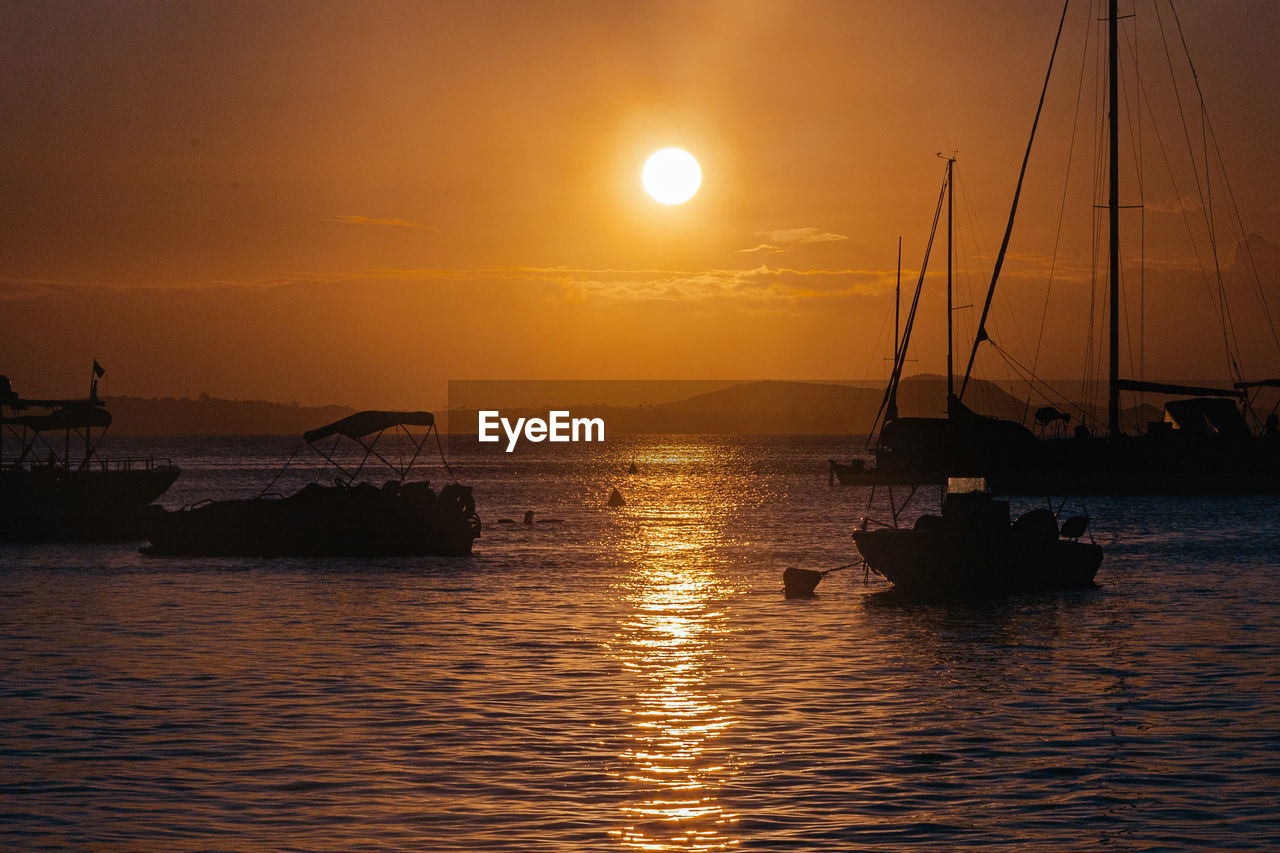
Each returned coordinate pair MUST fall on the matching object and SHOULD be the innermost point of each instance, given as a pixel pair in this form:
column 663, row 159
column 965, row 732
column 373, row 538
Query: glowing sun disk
column 671, row 176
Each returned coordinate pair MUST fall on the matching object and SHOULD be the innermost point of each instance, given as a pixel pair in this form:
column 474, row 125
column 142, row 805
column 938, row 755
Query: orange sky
column 355, row 203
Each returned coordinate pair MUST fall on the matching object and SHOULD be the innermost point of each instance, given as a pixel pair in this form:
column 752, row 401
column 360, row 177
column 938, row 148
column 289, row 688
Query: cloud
column 368, row 220
column 762, row 285
column 29, row 288
column 787, row 239
column 759, row 285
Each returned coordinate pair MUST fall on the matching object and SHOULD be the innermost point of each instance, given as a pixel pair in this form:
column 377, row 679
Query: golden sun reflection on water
column 670, row 643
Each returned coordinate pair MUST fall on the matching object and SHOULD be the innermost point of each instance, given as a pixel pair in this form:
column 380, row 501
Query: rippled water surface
column 634, row 678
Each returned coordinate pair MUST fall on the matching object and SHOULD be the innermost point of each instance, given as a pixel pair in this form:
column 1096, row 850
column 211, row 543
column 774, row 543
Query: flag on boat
column 98, row 369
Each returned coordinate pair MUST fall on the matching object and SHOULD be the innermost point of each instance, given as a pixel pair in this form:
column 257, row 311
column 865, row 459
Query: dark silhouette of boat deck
column 346, row 519
column 1203, row 444
column 55, row 487
column 974, row 548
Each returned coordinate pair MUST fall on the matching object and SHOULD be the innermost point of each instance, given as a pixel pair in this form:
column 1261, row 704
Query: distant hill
column 834, row 408
column 213, row 416
column 769, row 408
column 761, row 408
column 778, row 408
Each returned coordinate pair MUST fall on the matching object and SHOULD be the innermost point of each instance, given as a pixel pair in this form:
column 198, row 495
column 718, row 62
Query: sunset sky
column 357, row 202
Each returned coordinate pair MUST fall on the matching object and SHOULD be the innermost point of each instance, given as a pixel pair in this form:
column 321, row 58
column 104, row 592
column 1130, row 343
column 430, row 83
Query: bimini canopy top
column 70, row 417
column 364, row 423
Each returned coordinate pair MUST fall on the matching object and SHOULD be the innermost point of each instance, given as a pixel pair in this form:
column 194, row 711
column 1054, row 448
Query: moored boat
column 1211, row 438
column 400, row 517
column 974, row 548
column 53, row 484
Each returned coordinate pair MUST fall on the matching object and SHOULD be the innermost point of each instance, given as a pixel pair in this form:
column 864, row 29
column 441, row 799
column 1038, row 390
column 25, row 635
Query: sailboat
column 1203, row 445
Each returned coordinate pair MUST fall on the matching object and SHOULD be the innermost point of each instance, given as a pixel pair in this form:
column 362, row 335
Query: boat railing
column 123, row 464
column 134, row 463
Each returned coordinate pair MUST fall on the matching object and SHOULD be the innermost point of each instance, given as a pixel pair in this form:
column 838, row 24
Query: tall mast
column 897, row 297
column 889, row 403
column 891, row 409
column 951, row 163
column 1113, row 206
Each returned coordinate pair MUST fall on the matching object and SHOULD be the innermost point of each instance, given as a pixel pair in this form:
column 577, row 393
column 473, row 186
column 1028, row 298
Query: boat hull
column 44, row 504
column 323, row 521
column 1127, row 465
column 963, row 562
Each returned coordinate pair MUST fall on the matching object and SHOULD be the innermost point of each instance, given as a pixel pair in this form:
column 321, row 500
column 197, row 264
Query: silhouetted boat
column 348, row 518
column 973, row 548
column 1203, row 444
column 54, row 486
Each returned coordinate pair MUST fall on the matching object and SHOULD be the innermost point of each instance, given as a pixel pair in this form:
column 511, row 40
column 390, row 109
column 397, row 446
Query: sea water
column 634, row 679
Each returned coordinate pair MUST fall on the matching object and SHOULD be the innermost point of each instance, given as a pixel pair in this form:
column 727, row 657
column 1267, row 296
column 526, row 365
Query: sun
column 671, row 176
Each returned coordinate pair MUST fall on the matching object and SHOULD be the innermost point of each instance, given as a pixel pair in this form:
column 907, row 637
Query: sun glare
column 671, row 176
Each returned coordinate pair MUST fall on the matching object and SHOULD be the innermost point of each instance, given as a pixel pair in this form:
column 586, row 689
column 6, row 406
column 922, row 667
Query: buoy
column 800, row 583
column 633, row 469
column 616, row 499
column 528, row 517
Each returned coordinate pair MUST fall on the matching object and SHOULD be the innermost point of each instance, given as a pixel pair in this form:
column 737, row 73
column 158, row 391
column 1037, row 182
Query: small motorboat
column 346, row 518
column 974, row 548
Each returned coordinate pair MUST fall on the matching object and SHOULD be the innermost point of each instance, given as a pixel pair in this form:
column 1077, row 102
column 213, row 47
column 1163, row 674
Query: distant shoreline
column 207, row 415
column 750, row 408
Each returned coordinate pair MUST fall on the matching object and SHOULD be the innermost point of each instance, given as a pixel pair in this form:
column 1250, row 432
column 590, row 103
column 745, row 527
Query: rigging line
column 1211, row 141
column 1205, row 205
column 851, row 416
column 1130, row 103
column 1206, row 132
column 1142, row 238
column 1004, row 245
column 1142, row 295
column 1088, row 386
column 980, row 244
column 1062, row 209
column 1248, row 247
column 1177, row 91
column 969, row 246
column 1044, row 387
column 1010, row 381
column 1089, row 389
column 891, row 390
column 1142, row 225
column 900, row 355
column 1133, row 106
column 1213, row 240
column 1229, row 326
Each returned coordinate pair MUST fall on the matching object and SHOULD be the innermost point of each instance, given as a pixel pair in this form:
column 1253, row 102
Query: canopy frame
column 358, row 428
